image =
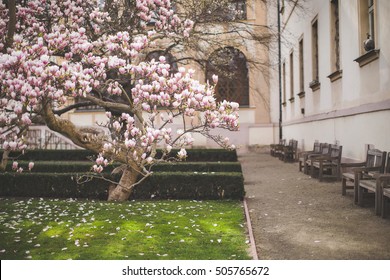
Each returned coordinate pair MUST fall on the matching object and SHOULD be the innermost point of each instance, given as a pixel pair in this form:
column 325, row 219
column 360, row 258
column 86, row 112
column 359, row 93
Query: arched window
column 230, row 65
column 170, row 59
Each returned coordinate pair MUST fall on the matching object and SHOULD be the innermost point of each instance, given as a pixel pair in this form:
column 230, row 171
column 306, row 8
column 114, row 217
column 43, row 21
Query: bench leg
column 360, row 196
column 384, row 205
column 378, row 204
column 344, row 186
column 312, row 170
column 305, row 167
column 378, row 197
column 321, row 172
column 355, row 189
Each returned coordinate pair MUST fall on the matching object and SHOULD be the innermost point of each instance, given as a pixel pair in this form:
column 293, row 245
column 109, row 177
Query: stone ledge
column 368, row 57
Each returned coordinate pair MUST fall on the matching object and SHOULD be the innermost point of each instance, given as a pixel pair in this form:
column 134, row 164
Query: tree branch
column 71, row 107
column 110, row 105
column 11, row 25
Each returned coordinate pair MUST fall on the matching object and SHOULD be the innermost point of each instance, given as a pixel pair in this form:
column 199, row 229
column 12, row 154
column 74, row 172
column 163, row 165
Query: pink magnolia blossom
column 182, row 154
column 79, row 55
column 30, row 165
column 15, row 165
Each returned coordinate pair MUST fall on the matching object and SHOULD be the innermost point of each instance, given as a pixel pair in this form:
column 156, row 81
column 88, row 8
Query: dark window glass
column 170, row 59
column 230, row 65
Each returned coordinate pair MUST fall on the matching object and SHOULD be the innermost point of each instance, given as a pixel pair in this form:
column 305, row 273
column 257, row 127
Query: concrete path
column 297, row 217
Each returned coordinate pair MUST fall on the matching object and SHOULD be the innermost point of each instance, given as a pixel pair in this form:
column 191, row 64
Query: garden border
column 252, row 248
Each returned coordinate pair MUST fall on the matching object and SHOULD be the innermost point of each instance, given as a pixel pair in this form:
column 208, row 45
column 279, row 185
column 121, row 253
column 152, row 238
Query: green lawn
column 79, row 229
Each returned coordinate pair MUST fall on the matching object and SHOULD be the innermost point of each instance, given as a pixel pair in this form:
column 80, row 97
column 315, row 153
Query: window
column 156, row 14
column 169, row 58
column 315, row 84
column 368, row 37
column 101, row 4
column 237, row 9
column 335, row 41
column 228, row 10
column 282, row 7
column 291, row 77
column 367, row 24
column 284, row 82
column 335, row 35
column 230, row 65
column 301, row 70
column 371, row 20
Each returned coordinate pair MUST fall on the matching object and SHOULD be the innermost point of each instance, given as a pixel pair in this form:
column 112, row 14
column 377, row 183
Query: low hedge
column 75, row 155
column 85, row 166
column 162, row 185
column 198, row 167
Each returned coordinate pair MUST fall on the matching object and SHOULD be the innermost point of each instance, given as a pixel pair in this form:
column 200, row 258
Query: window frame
column 292, row 98
column 335, row 55
column 239, row 6
column 301, row 68
column 367, row 25
column 284, row 102
column 238, row 84
column 315, row 83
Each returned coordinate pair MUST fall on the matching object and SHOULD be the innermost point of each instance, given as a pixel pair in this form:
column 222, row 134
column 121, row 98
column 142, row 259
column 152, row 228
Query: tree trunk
column 122, row 191
column 11, row 28
column 4, row 160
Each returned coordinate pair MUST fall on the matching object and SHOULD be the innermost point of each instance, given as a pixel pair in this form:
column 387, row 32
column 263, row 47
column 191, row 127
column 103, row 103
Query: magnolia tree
column 56, row 51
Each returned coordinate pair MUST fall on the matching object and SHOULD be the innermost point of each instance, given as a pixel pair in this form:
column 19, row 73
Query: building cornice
column 348, row 112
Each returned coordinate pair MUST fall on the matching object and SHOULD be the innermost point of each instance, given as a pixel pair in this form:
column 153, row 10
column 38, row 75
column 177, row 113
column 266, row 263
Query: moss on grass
column 79, row 229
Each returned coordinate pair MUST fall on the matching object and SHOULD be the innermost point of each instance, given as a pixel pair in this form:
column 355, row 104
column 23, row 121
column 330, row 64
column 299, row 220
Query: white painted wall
column 358, row 104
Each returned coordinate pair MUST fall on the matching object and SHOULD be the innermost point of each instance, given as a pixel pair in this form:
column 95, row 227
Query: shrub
column 85, row 166
column 162, row 185
column 75, row 155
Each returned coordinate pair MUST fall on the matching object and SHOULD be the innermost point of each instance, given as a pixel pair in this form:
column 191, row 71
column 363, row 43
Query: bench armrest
column 353, row 164
column 307, row 153
column 382, row 177
column 314, row 156
column 366, row 169
column 324, row 158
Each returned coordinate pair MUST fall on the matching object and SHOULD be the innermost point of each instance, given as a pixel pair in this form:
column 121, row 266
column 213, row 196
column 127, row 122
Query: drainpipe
column 280, row 74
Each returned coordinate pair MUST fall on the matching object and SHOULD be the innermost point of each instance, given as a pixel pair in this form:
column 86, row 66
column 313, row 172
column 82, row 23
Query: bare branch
column 11, row 28
column 71, row 107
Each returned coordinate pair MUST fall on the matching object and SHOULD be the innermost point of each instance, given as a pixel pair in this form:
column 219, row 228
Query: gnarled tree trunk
column 4, row 160
column 122, row 191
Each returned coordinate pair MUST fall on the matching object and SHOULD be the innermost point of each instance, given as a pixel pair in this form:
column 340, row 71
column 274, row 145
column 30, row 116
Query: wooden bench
column 275, row 149
column 325, row 151
column 289, row 152
column 374, row 184
column 329, row 163
column 385, row 198
column 303, row 156
column 375, row 162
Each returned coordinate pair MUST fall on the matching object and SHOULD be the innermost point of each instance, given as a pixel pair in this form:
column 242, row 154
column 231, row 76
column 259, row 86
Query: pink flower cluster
column 161, row 13
column 182, row 93
column 137, row 142
column 101, row 162
column 78, row 55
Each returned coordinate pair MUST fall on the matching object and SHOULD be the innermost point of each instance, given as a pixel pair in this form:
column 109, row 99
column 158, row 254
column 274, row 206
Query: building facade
column 335, row 74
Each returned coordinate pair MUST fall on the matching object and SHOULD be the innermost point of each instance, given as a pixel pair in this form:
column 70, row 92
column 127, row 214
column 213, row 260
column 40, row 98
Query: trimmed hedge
column 198, row 167
column 85, row 166
column 76, row 155
column 162, row 185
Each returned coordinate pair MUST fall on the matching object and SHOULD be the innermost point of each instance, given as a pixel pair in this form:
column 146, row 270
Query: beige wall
column 255, row 125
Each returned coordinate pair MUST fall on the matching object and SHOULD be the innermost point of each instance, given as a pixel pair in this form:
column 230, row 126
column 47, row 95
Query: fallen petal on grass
column 120, row 231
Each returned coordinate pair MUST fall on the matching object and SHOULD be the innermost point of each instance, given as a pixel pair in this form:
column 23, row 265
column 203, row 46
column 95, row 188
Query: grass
column 94, row 230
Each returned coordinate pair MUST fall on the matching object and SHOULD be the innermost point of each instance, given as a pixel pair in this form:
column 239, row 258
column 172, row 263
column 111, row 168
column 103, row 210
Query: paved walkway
column 297, row 217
